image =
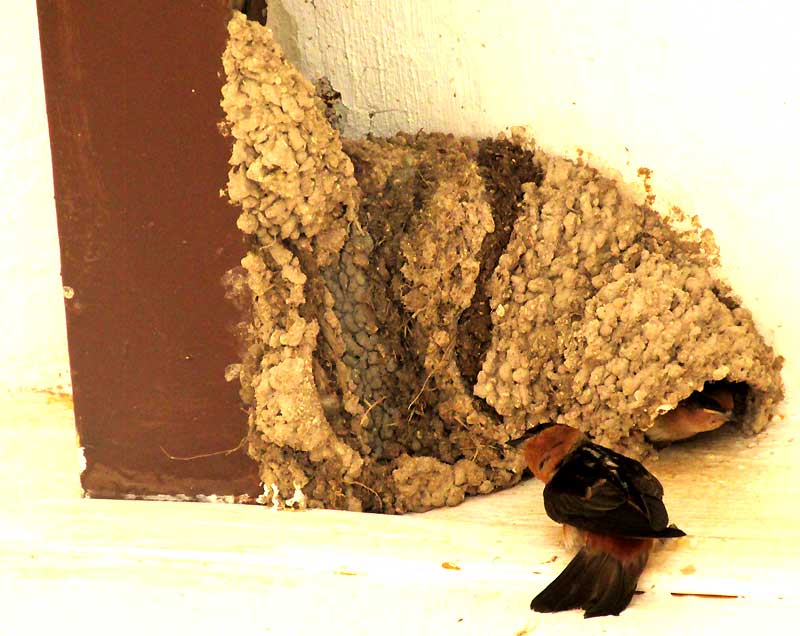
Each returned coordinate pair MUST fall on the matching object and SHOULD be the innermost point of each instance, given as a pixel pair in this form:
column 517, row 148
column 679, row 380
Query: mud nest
column 414, row 302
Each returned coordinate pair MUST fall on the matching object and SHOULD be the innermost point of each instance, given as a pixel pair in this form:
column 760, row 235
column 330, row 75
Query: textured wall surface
column 701, row 95
column 33, row 341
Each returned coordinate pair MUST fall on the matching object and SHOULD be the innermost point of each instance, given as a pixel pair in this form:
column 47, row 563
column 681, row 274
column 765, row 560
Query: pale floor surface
column 93, row 566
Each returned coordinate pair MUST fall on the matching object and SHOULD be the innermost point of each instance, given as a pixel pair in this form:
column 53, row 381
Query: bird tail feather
column 594, row 581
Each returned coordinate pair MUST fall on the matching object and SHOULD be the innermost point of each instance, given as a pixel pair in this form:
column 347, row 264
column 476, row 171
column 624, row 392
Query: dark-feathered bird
column 613, row 503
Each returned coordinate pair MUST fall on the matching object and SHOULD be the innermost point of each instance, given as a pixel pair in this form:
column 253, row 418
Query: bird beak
column 728, row 416
column 519, row 441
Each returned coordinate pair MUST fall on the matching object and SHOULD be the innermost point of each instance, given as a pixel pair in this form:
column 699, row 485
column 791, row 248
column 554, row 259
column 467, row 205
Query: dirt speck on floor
column 414, row 302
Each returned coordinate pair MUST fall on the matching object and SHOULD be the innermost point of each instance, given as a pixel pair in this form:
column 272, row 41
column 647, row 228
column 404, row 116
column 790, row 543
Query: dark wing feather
column 602, row 491
column 641, row 478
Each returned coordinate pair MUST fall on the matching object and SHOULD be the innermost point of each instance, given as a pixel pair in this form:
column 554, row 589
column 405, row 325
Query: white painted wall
column 703, row 93
column 33, row 344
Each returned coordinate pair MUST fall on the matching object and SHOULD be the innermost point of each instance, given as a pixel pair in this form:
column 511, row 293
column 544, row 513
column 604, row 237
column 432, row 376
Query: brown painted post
column 133, row 90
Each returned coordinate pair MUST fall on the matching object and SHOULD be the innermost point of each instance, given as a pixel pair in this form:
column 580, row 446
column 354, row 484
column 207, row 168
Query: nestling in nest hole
column 716, row 404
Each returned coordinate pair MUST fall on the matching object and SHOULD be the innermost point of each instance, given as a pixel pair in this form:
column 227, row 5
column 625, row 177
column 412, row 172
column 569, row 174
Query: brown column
column 133, row 90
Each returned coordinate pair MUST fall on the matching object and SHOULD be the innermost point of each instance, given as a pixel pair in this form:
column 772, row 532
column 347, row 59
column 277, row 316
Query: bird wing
column 602, row 491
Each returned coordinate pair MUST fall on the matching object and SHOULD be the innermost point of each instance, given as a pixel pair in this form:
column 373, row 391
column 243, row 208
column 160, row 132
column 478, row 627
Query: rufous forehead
column 552, row 436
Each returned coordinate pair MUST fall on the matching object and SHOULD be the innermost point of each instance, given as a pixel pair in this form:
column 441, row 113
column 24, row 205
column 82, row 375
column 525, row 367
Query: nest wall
column 414, row 302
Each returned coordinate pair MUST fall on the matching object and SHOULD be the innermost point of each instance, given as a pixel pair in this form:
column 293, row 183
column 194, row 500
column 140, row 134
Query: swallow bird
column 611, row 502
column 702, row 411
